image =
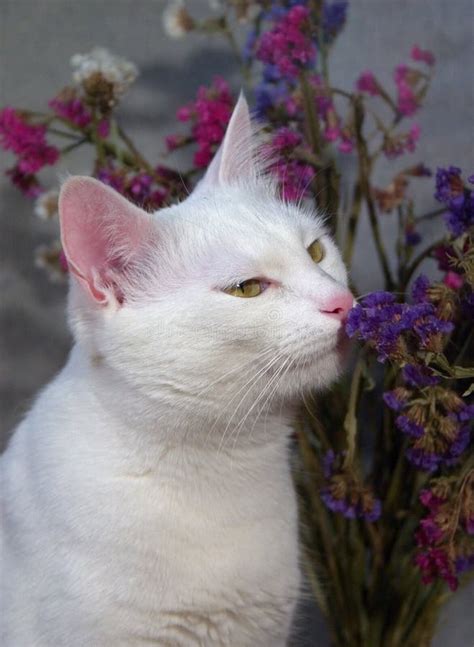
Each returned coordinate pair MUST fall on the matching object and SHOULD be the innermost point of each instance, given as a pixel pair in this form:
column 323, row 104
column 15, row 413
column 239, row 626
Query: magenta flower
column 28, row 142
column 27, row 183
column 453, row 280
column 368, row 83
column 294, row 176
column 423, row 55
column 288, row 46
column 209, row 114
column 407, row 103
column 72, row 109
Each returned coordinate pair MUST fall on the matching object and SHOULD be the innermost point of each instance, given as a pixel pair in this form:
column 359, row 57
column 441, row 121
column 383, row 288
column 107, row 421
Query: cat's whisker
column 263, row 355
column 267, row 403
column 249, row 365
column 241, row 423
column 250, row 383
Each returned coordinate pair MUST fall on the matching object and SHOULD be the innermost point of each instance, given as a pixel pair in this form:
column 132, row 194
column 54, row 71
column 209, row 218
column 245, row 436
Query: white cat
column 147, row 497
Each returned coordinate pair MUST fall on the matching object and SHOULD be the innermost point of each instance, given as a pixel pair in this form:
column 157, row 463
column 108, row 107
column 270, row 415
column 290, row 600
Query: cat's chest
column 226, row 567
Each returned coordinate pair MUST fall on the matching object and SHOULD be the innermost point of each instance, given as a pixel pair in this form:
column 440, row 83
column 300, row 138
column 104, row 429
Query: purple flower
column 328, row 462
column 426, row 461
column 379, row 320
column 341, row 506
column 374, row 513
column 343, row 494
column 418, row 376
column 334, row 18
column 459, row 200
column 420, row 287
column 464, row 563
column 409, row 427
column 393, row 400
column 412, row 237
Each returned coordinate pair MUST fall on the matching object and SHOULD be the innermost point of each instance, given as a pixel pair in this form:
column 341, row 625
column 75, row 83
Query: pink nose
column 338, row 306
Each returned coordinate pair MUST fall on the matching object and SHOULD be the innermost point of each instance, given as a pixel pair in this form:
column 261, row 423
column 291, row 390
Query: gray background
column 37, row 40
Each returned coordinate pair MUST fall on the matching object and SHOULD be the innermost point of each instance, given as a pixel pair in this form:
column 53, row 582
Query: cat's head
column 229, row 300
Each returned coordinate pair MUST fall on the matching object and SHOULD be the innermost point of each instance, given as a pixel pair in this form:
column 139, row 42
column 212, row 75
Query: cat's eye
column 246, row 289
column 316, row 251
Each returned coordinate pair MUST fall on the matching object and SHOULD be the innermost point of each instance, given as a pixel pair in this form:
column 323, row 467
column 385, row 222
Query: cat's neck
column 159, row 422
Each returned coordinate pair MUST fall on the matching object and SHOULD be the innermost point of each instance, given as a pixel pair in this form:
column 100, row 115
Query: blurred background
column 37, row 42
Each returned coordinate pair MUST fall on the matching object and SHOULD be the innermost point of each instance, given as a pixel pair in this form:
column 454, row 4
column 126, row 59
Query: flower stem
column 364, row 175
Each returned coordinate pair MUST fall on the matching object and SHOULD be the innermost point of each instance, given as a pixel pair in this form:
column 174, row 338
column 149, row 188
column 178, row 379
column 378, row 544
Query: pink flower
column 285, row 140
column 435, row 562
column 209, row 114
column 423, row 55
column 184, row 114
column 331, row 133
column 406, row 79
column 72, row 109
column 453, row 280
column 287, row 46
column 28, row 142
column 407, row 103
column 368, row 83
column 346, row 144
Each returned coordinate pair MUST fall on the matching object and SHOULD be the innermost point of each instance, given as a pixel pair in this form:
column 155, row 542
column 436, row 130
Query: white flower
column 46, row 206
column 176, row 20
column 114, row 69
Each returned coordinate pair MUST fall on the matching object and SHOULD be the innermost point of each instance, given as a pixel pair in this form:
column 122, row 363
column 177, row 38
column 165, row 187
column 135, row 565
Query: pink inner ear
column 101, row 233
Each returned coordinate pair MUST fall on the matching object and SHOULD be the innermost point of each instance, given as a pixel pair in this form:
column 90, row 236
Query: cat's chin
column 317, row 371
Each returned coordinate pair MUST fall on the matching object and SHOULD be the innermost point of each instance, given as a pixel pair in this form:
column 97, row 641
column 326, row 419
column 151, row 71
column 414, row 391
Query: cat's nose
column 338, row 306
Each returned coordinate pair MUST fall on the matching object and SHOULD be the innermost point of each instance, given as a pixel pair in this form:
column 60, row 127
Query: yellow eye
column 316, row 251
column 246, row 289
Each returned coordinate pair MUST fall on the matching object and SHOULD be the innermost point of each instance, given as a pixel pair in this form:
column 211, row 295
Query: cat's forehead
column 253, row 220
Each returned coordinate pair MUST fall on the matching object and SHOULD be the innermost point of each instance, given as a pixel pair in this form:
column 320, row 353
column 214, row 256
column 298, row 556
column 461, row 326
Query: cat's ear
column 102, row 236
column 234, row 160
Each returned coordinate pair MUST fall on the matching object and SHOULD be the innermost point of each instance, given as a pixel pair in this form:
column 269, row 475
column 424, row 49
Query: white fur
column 147, row 497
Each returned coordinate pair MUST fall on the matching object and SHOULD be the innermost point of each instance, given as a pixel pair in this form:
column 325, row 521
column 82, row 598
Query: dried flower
column 344, row 494
column 394, row 146
column 51, row 258
column 177, row 21
column 104, row 77
column 46, row 205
